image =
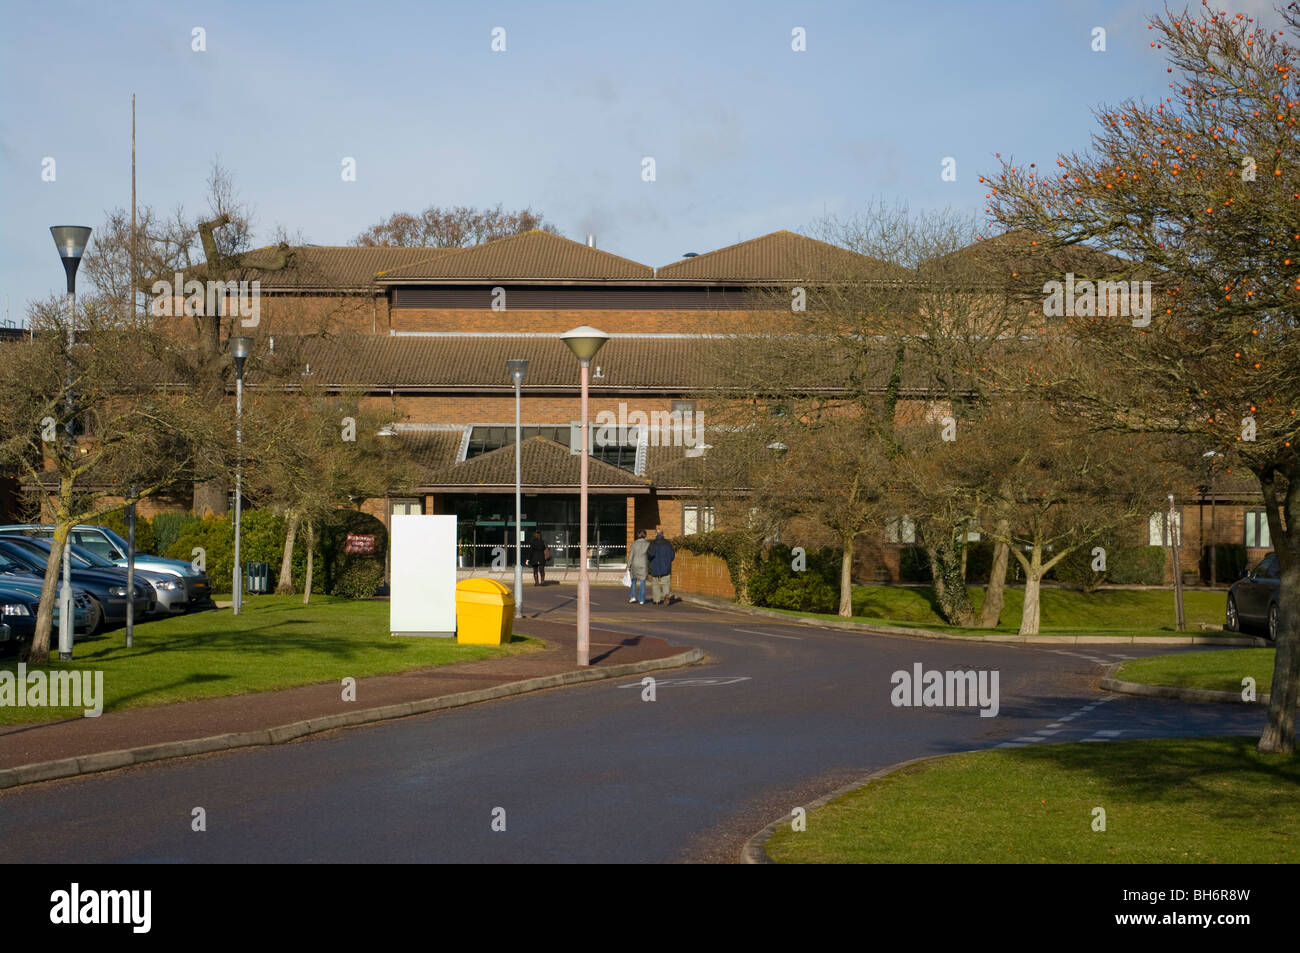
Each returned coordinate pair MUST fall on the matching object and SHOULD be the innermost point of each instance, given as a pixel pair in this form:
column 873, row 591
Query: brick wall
column 545, row 410
column 517, row 321
column 702, row 575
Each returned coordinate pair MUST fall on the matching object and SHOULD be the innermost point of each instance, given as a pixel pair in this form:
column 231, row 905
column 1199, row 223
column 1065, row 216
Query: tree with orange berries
column 1201, row 192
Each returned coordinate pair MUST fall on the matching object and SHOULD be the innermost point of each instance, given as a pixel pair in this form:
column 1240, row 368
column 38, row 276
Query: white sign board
column 423, row 575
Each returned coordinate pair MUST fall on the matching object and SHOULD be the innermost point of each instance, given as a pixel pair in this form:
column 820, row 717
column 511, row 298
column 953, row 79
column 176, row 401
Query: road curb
column 710, row 602
column 755, row 849
column 280, row 734
column 1173, row 692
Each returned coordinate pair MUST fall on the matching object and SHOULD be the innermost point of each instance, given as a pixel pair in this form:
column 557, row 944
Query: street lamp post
column 71, row 242
column 239, row 348
column 1175, row 529
column 517, row 369
column 584, row 342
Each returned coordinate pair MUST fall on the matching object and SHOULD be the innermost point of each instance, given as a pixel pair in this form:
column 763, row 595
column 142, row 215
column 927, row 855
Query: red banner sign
column 360, row 544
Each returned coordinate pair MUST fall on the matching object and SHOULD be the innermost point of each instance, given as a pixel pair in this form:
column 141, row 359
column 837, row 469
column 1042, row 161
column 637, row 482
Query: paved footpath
column 77, row 737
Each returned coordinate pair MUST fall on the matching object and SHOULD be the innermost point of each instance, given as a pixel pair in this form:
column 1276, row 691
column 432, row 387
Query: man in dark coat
column 661, row 568
column 537, row 557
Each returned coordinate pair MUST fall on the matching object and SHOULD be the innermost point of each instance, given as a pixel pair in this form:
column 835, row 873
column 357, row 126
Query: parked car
column 107, row 589
column 168, row 591
column 20, row 599
column 1253, row 599
column 108, row 545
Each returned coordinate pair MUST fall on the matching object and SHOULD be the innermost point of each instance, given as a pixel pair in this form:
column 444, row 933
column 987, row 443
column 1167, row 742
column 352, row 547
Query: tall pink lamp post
column 584, row 342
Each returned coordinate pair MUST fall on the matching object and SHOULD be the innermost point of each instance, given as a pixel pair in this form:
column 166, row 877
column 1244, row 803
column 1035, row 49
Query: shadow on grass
column 1179, row 771
column 123, row 701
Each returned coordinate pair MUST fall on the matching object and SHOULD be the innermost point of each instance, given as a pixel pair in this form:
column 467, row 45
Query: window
column 486, row 439
column 900, row 529
column 407, row 507
column 697, row 518
column 1257, row 536
column 96, row 543
column 1158, row 529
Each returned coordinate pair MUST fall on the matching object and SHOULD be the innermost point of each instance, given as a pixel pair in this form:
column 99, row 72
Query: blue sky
column 748, row 136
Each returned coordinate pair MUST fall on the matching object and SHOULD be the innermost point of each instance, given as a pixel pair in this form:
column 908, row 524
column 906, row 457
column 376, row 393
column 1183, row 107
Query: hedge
column 816, row 588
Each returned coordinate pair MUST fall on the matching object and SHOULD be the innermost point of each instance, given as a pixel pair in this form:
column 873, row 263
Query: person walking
column 661, row 568
column 537, row 556
column 638, row 564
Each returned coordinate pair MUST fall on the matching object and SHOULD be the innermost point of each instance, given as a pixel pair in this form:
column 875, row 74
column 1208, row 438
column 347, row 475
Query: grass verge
column 1220, row 671
column 275, row 642
column 1166, row 801
column 1117, row 612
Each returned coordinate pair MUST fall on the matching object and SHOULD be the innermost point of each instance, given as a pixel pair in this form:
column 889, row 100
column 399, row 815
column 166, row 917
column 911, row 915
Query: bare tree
column 457, row 227
column 132, row 430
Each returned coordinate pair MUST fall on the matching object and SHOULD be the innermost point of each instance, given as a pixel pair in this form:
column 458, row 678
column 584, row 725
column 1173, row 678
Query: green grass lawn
column 1167, row 801
column 1117, row 612
column 275, row 642
column 1220, row 671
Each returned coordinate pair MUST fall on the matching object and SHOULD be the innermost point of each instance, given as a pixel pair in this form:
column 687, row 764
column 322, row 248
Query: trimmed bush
column 263, row 541
column 331, row 541
column 144, row 535
column 1137, row 565
column 914, row 565
column 167, row 528
column 776, row 585
column 1229, row 562
column 979, row 562
column 360, row 580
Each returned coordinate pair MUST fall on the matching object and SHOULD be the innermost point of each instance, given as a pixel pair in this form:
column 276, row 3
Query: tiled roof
column 781, row 256
column 328, row 266
column 545, row 464
column 432, row 449
column 670, row 467
column 668, row 364
column 1021, row 254
column 535, row 255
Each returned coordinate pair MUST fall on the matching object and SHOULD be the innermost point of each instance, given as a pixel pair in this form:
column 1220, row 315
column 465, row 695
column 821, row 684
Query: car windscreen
column 8, row 564
column 27, row 561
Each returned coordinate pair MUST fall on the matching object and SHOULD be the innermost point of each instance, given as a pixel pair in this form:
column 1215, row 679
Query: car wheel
column 98, row 627
column 1272, row 623
column 1233, row 623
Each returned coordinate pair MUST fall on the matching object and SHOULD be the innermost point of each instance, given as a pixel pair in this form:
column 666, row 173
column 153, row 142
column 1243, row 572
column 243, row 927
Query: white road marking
column 699, row 682
column 772, row 635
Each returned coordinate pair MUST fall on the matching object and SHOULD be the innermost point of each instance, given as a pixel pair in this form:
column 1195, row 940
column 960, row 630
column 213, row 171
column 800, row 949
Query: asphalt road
column 780, row 715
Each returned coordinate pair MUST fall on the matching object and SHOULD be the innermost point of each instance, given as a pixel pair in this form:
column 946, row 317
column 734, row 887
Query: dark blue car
column 107, row 589
column 1253, row 599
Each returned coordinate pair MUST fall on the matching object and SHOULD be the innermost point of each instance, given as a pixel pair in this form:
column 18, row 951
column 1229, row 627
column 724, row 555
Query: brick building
column 431, row 329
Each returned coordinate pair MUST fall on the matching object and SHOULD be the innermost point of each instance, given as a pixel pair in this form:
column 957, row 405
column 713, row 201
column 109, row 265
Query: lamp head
column 517, row 369
column 239, row 350
column 71, row 241
column 584, row 342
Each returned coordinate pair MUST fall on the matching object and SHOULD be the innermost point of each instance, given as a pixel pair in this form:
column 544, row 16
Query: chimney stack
column 591, row 241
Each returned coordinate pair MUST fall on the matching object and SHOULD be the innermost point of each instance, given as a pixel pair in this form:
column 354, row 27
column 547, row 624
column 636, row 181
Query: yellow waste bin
column 485, row 612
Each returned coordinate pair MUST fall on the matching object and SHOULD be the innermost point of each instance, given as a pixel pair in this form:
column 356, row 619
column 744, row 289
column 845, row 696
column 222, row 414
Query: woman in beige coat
column 638, row 565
